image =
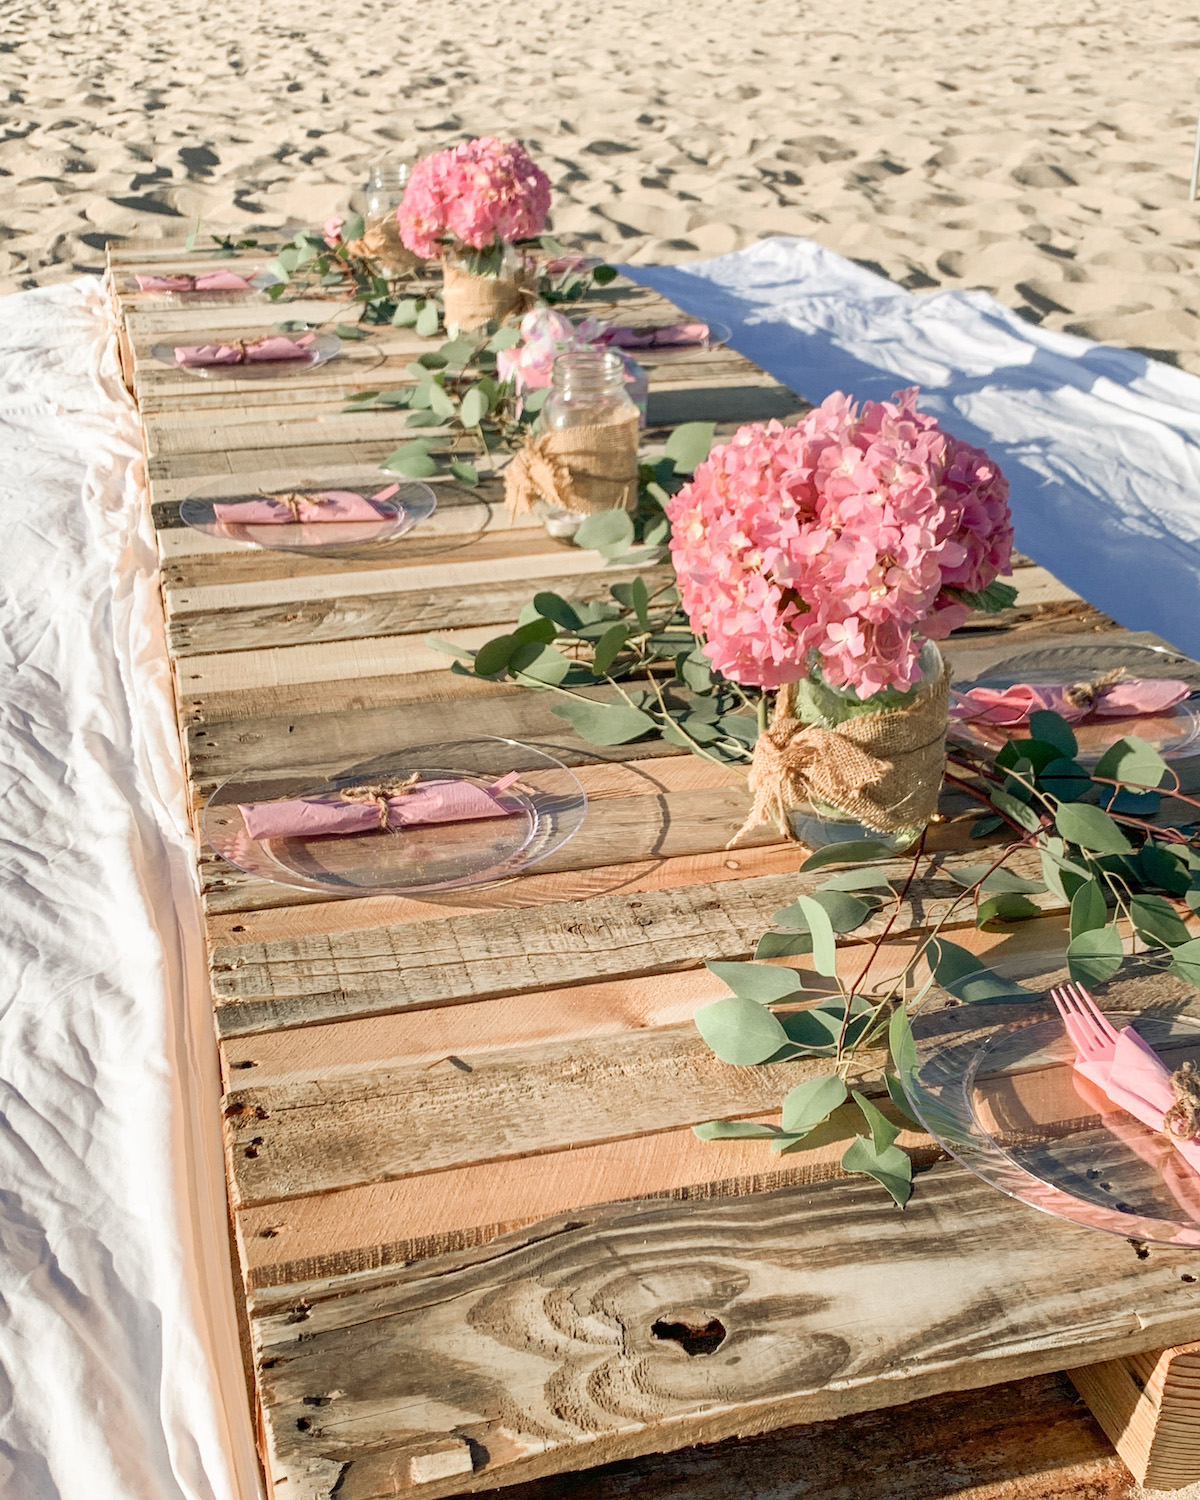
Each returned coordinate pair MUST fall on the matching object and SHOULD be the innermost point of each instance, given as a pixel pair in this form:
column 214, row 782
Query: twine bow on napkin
column 582, row 469
column 883, row 769
column 379, row 792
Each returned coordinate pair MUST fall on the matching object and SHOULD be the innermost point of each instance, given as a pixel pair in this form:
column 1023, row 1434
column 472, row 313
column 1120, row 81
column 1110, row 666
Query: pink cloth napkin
column 1013, row 706
column 328, row 505
column 1139, row 1082
column 209, row 281
column 164, row 283
column 431, row 802
column 262, row 351
column 655, row 338
column 1181, row 1181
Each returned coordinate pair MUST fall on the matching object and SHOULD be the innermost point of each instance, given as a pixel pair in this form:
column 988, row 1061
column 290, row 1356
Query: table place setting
column 311, row 517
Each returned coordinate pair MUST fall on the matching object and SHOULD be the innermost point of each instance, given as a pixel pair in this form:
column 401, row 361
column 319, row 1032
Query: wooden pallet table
column 477, row 1239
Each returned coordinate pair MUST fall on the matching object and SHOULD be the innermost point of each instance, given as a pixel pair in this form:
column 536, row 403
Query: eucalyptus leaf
column 1157, row 922
column 427, row 321
column 991, row 881
column 555, row 607
column 1008, row 906
column 609, row 647
column 891, row 1168
column 903, row 1048
column 411, row 460
column 539, row 663
column 1132, row 760
column 449, row 647
column 1132, row 804
column 844, row 911
column 1094, row 956
column 1163, row 868
column 689, row 445
column 853, row 852
column 1054, row 730
column 821, row 929
column 740, row 1031
column 442, row 403
column 983, row 826
column 605, row 530
column 783, row 944
column 816, row 1029
column 474, row 407
column 639, row 597
column 734, row 1130
column 883, row 1132
column 964, row 975
column 1185, row 961
column 696, row 671
column 406, row 313
column 1091, row 828
column 811, row 1102
column 350, row 331
column 1063, row 876
column 855, row 880
column 537, row 628
column 1066, row 780
column 493, row 655
column 464, row 472
column 1020, row 812
column 604, row 723
column 765, row 983
column 897, row 1095
column 1088, row 911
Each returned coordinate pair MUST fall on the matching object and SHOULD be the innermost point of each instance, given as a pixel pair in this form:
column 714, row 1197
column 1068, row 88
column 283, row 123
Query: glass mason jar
column 820, row 702
column 481, row 286
column 587, row 389
column 384, row 190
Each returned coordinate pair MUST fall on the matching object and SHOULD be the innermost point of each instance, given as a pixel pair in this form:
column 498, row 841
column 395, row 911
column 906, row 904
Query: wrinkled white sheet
column 1101, row 446
column 120, row 1377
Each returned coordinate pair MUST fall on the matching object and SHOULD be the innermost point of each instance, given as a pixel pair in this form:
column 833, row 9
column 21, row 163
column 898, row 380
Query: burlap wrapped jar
column 471, row 300
column 881, row 769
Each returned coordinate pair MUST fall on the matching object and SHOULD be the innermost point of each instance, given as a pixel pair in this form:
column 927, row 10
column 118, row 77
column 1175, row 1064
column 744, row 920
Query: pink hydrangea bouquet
column 473, row 197
column 839, row 544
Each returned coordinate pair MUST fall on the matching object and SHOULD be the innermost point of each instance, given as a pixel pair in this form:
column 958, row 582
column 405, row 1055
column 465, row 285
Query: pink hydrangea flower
column 475, row 193
column 332, row 230
column 838, row 536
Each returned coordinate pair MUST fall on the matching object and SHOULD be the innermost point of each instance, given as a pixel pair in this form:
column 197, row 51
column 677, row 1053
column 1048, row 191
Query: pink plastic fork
column 1087, row 1026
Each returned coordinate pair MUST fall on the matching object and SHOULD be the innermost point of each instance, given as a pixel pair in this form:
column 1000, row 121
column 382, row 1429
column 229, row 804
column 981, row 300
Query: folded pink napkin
column 208, row 281
column 430, row 802
column 325, row 506
column 261, row 351
column 223, row 281
column 1137, row 1080
column 655, row 338
column 164, row 283
column 1013, row 706
column 1181, row 1181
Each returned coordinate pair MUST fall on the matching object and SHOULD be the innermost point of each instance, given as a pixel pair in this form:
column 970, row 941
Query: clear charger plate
column 995, row 1086
column 324, row 347
column 192, row 297
column 1173, row 734
column 412, row 504
column 545, row 807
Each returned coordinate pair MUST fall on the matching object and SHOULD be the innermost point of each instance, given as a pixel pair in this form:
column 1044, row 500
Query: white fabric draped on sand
column 120, row 1377
column 1101, row 446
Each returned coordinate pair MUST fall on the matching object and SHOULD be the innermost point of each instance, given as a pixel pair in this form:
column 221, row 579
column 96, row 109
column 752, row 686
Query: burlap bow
column 883, row 769
column 294, row 500
column 581, row 469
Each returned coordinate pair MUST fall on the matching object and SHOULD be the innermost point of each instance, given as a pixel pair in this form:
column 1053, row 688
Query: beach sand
column 1040, row 150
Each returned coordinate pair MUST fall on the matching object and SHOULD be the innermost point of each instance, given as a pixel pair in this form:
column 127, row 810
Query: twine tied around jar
column 380, row 791
column 582, row 469
column 1084, row 694
column 883, row 769
column 1182, row 1120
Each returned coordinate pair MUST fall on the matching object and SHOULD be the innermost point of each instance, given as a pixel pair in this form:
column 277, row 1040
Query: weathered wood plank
column 1020, row 1440
column 323, row 976
column 410, row 605
column 542, row 1349
column 1149, row 1405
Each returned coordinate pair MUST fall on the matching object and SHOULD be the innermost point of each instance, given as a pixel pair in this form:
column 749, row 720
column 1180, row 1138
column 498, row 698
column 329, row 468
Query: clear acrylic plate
column 995, row 1086
column 545, row 807
column 324, row 347
column 1173, row 734
column 197, row 297
column 412, row 504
